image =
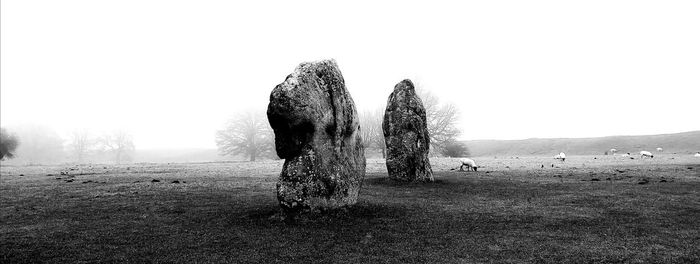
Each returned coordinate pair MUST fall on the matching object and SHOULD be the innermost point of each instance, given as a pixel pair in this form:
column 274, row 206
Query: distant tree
column 80, row 145
column 371, row 130
column 8, row 144
column 455, row 149
column 40, row 145
column 247, row 134
column 442, row 120
column 119, row 144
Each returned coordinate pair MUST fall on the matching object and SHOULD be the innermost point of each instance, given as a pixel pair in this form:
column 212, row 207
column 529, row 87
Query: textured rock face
column 406, row 135
column 317, row 132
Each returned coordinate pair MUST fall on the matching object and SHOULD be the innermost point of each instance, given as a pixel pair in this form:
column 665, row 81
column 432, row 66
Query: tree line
column 248, row 134
column 34, row 144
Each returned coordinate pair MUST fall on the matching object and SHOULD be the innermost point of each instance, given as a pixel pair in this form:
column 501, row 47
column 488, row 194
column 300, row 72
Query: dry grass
column 512, row 210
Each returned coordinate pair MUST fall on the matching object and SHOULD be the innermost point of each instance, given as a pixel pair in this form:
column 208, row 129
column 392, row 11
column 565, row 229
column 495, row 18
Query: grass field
column 589, row 209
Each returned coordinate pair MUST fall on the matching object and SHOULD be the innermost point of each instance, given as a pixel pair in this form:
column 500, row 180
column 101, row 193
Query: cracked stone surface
column 317, row 132
column 406, row 135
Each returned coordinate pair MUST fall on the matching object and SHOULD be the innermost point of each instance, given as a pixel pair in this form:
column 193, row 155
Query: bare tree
column 40, row 145
column 248, row 133
column 371, row 130
column 8, row 144
column 455, row 149
column 80, row 145
column 442, row 120
column 119, row 144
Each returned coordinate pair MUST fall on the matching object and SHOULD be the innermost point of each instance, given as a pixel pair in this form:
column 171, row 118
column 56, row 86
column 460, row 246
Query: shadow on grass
column 362, row 213
column 386, row 181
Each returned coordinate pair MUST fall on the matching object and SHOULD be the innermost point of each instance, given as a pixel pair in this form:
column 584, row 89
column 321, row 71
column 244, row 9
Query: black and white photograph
column 273, row 131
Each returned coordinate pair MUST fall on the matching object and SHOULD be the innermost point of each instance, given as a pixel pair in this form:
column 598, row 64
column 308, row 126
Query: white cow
column 645, row 153
column 659, row 149
column 561, row 156
column 467, row 162
column 613, row 151
column 697, row 155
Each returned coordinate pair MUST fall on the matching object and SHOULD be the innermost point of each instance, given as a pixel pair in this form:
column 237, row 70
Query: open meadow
column 514, row 209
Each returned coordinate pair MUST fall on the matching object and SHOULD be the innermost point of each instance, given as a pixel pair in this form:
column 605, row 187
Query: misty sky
column 171, row 72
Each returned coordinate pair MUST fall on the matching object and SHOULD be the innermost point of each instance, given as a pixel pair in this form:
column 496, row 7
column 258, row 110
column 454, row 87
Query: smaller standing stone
column 406, row 134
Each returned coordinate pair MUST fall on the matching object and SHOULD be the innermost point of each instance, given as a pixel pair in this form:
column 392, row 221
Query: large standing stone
column 406, row 135
column 317, row 132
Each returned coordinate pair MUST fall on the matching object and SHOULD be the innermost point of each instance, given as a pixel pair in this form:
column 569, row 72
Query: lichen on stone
column 317, row 133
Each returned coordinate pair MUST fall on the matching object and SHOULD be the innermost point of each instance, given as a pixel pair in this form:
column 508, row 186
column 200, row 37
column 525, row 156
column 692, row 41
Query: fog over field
column 158, row 131
column 170, row 74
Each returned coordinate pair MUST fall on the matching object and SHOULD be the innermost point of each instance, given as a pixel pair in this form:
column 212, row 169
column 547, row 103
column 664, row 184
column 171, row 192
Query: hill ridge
column 683, row 142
